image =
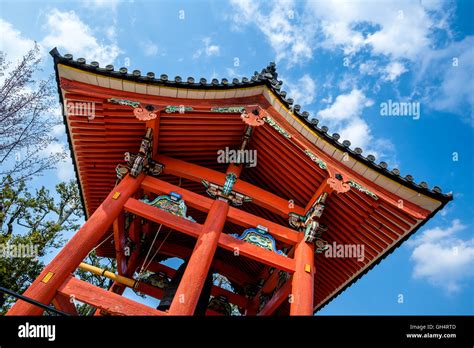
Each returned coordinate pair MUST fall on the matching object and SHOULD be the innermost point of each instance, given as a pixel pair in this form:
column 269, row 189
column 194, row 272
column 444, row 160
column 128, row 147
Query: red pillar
column 43, row 289
column 303, row 280
column 190, row 287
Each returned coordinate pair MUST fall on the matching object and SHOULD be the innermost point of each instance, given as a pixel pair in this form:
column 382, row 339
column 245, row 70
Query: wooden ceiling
column 283, row 169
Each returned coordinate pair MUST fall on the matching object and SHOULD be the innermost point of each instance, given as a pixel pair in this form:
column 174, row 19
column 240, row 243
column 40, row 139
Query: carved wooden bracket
column 253, row 115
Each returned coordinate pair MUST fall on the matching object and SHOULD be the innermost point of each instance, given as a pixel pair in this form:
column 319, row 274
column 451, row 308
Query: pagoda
column 229, row 176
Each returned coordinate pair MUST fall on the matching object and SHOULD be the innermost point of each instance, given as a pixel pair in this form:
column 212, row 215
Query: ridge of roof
column 268, row 77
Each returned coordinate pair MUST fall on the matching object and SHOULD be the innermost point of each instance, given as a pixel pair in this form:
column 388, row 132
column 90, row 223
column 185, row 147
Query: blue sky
column 340, row 61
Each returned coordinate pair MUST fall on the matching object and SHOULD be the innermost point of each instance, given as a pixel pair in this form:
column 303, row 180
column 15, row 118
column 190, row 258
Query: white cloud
column 149, row 48
column 101, row 4
column 395, row 29
column 369, row 67
column 209, row 49
column 290, row 35
column 339, row 34
column 345, row 107
column 393, row 71
column 392, row 37
column 442, row 258
column 389, row 72
column 398, row 29
column 344, row 116
column 451, row 70
column 67, row 31
column 13, row 43
column 303, row 91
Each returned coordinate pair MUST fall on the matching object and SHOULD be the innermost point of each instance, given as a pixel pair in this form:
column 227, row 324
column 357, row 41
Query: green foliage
column 35, row 220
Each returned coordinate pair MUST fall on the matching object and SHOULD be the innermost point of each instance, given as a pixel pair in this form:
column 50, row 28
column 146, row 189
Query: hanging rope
column 157, row 250
column 149, row 251
column 93, row 249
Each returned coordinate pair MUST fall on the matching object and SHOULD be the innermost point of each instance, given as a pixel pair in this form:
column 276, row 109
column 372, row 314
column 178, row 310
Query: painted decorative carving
column 309, row 224
column 121, row 171
column 133, row 104
column 230, row 180
column 225, row 192
column 177, row 108
column 318, row 161
column 259, row 236
column 275, row 126
column 141, row 162
column 338, row 185
column 145, row 114
column 171, row 203
column 230, row 109
column 220, row 304
column 252, row 118
column 320, row 246
column 361, row 188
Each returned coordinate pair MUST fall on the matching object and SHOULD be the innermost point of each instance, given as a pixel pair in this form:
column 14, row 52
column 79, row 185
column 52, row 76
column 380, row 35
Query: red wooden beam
column 135, row 235
column 335, row 166
column 194, row 277
column 43, row 289
column 276, row 301
column 237, row 216
column 194, row 229
column 116, row 288
column 213, row 313
column 303, row 280
column 103, row 299
column 279, row 232
column 119, row 241
column 259, row 196
column 268, row 286
column 324, row 187
column 192, row 199
column 65, row 304
column 233, row 298
column 223, row 268
column 150, row 290
column 256, row 253
column 216, row 290
column 155, row 125
column 162, row 217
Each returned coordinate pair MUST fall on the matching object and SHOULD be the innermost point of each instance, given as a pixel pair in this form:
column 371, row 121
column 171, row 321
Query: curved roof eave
column 267, row 77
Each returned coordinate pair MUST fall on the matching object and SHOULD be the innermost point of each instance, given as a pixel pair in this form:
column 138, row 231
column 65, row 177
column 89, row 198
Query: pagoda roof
column 87, row 141
column 268, row 77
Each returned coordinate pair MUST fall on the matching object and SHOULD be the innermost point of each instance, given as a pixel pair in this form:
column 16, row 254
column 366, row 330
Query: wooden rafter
column 105, row 300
